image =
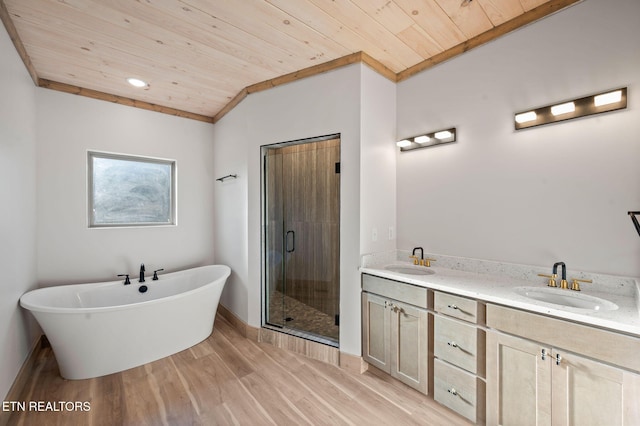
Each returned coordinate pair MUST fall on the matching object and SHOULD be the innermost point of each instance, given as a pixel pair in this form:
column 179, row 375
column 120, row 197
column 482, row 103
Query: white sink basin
column 566, row 298
column 409, row 270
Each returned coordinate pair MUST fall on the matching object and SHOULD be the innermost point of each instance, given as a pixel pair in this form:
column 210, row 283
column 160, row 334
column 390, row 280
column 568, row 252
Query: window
column 128, row 190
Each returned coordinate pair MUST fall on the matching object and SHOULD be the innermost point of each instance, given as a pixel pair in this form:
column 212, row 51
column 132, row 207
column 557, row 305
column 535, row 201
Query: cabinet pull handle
column 558, row 359
column 393, row 307
column 544, row 354
column 452, row 344
column 452, row 391
column 452, row 306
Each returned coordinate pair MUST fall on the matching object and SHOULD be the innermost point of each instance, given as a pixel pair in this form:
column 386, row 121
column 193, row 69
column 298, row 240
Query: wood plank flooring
column 228, row 379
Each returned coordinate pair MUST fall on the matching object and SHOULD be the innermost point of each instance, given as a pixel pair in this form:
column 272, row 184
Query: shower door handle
column 293, row 242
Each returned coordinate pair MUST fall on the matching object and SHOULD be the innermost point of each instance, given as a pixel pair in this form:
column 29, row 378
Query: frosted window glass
column 130, row 191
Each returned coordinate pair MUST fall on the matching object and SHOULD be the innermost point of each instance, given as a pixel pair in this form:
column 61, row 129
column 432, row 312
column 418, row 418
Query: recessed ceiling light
column 136, row 82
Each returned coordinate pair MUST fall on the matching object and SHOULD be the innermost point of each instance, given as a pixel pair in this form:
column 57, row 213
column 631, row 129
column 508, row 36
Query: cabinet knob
column 558, row 359
column 452, row 391
column 452, row 306
column 452, row 344
column 544, row 354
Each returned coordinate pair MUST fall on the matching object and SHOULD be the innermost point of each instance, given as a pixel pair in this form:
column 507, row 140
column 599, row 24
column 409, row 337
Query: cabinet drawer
column 458, row 390
column 604, row 345
column 459, row 344
column 407, row 293
column 459, row 307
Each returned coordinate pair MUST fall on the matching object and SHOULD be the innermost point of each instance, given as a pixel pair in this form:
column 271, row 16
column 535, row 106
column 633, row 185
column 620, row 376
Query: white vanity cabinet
column 459, row 355
column 543, row 371
column 395, row 329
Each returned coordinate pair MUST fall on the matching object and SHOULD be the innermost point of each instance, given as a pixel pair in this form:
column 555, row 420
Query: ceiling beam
column 121, row 100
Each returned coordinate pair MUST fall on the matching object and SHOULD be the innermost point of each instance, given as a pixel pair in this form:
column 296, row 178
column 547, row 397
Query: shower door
column 301, row 223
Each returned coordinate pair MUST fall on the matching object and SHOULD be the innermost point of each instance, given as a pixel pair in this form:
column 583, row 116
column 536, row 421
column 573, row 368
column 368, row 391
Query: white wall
column 320, row 105
column 377, row 163
column 18, row 211
column 70, row 252
column 554, row 193
column 44, row 138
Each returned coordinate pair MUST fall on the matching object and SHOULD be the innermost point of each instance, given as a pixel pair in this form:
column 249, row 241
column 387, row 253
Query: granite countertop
column 496, row 282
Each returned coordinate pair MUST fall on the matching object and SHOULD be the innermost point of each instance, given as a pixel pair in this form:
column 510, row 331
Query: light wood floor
column 228, row 379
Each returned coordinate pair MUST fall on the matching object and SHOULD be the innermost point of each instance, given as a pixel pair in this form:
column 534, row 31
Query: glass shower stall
column 301, row 238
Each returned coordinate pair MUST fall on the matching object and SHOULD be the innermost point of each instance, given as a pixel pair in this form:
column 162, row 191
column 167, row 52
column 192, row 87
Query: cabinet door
column 409, row 345
column 376, row 322
column 587, row 392
column 518, row 381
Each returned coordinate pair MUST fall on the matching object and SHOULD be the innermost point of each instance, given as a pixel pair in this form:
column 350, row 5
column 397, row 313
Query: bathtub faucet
column 141, row 273
column 126, row 280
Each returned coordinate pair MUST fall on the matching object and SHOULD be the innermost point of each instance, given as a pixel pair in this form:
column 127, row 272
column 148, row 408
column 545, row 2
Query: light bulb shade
column 564, row 108
column 526, row 117
column 444, row 134
column 607, row 98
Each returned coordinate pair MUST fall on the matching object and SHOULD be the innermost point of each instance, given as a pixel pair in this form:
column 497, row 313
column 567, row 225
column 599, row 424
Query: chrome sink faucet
column 141, row 279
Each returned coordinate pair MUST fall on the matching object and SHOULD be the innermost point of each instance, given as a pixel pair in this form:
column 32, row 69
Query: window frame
column 91, row 221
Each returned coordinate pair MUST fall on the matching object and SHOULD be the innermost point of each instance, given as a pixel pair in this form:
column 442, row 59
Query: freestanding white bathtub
column 102, row 328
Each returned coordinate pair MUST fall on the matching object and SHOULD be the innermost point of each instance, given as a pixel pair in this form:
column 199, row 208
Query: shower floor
column 299, row 316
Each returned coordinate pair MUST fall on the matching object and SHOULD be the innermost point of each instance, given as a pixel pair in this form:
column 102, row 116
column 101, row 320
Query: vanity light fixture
column 427, row 140
column 593, row 104
column 136, row 82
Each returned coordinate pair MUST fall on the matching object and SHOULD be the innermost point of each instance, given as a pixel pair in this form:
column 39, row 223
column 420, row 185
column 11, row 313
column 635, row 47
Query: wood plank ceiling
column 201, row 57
